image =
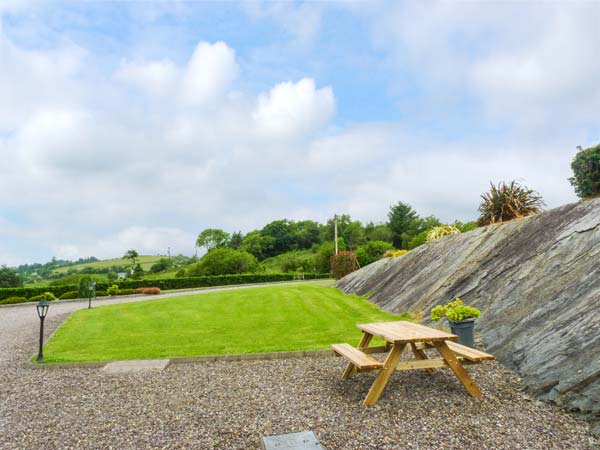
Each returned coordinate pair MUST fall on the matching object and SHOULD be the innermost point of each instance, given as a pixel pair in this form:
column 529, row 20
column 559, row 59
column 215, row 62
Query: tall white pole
column 335, row 234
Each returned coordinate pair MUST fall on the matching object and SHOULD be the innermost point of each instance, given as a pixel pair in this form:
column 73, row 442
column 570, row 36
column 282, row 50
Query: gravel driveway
column 230, row 405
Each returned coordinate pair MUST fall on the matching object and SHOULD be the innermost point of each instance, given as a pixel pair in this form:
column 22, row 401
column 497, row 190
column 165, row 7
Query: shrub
column 223, row 261
column 439, row 232
column 126, row 291
column 69, row 295
column 161, row 265
column 101, row 293
column 586, row 172
column 9, row 278
column 399, row 253
column 455, row 311
column 49, row 296
column 342, row 264
column 13, row 300
column 148, row 290
column 113, row 290
column 507, row 202
column 84, row 286
column 372, row 251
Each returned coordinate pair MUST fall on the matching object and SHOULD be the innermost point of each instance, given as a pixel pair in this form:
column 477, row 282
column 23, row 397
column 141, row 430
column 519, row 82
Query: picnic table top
column 405, row 332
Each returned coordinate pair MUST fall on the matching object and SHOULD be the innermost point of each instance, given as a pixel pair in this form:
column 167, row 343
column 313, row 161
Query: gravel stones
column 233, row 404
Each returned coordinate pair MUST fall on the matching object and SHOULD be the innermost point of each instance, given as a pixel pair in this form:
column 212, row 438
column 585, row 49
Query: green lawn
column 262, row 319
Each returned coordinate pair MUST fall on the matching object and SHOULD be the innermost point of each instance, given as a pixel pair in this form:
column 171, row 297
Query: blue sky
column 138, row 124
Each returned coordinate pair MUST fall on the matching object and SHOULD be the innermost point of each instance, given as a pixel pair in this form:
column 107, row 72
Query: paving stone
column 137, row 365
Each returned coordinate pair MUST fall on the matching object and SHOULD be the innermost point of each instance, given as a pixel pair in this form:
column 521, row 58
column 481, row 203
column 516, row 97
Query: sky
column 137, row 124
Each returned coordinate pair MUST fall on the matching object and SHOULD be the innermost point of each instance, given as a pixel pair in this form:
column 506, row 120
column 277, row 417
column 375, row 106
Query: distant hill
column 145, row 261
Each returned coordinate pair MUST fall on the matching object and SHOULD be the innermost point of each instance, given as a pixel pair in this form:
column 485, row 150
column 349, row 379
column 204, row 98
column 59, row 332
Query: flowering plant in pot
column 461, row 319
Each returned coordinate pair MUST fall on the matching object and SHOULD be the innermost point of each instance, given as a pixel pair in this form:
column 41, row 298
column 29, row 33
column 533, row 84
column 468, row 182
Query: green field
column 262, row 319
column 145, row 261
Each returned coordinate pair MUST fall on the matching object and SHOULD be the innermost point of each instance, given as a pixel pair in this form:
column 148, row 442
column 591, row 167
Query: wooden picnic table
column 399, row 335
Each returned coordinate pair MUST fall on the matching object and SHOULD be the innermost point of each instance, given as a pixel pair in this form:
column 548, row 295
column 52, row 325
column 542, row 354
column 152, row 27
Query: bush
column 84, row 286
column 165, row 283
column 13, row 300
column 586, row 172
column 161, row 265
column 148, row 290
column 455, row 311
column 224, row 261
column 342, row 264
column 69, row 295
column 126, row 291
column 113, row 290
column 49, row 296
column 507, row 202
column 9, row 278
column 399, row 253
column 439, row 232
column 372, row 251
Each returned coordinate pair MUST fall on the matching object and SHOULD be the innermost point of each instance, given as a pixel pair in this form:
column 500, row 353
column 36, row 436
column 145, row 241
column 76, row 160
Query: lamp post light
column 42, row 310
column 92, row 291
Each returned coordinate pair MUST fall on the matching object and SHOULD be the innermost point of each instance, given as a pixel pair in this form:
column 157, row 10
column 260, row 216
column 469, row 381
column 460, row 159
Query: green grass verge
column 253, row 320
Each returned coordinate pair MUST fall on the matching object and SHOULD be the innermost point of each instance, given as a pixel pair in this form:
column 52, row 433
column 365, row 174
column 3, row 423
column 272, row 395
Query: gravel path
column 230, row 405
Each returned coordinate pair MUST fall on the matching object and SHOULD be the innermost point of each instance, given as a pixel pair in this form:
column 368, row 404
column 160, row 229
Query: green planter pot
column 465, row 330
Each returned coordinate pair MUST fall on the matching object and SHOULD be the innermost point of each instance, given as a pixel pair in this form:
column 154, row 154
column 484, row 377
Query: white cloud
column 155, row 77
column 292, row 109
column 210, row 71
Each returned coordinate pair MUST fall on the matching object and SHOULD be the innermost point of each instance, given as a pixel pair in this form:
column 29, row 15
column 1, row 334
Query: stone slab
column 135, row 366
column 305, row 440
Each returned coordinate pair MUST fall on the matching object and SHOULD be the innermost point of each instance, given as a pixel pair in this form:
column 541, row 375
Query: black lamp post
column 92, row 291
column 42, row 310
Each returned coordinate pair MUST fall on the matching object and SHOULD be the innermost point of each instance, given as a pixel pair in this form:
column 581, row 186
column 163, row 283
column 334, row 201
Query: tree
column 307, row 234
column 282, row 236
column 372, row 251
column 586, row 172
column 224, row 261
column 212, row 238
column 400, row 218
column 132, row 255
column 256, row 244
column 379, row 232
column 354, row 235
column 138, row 272
column 161, row 265
column 417, row 231
column 9, row 278
column 236, row 240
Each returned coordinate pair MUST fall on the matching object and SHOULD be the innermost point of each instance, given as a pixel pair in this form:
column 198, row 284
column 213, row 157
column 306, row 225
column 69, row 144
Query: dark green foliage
column 138, row 272
column 125, row 291
column 69, row 295
column 325, row 253
column 111, row 276
column 416, row 233
column 161, row 265
column 342, row 264
column 13, row 300
column 49, row 296
column 223, row 261
column 180, row 273
column 258, row 245
column 507, row 202
column 372, row 251
column 380, row 232
column 418, row 240
column 9, row 278
column 165, row 284
column 586, row 172
column 400, row 218
column 464, row 227
column 84, row 286
column 131, row 255
column 236, row 240
column 291, row 262
column 212, row 238
column 354, row 235
column 281, row 233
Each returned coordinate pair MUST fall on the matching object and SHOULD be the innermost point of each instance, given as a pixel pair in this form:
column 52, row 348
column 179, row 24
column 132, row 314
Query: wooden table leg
column 457, row 368
column 389, row 366
column 420, row 354
column 363, row 343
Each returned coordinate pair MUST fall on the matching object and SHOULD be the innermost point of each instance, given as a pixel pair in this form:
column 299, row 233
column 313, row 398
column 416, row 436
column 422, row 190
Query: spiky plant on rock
column 507, row 202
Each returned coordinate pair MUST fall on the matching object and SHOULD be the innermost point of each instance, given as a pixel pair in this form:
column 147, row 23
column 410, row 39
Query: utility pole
column 335, row 233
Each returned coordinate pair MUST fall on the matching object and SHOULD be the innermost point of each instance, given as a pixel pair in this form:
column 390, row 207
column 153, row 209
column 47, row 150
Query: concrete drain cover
column 304, row 440
column 138, row 365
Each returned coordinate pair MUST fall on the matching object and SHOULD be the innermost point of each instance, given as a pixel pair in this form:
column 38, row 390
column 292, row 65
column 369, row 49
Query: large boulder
column 537, row 283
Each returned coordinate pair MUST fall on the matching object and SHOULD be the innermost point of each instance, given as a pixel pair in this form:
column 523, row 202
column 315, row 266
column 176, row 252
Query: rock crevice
column 537, row 282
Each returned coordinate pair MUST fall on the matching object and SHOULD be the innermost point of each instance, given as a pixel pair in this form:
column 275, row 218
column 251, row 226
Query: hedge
column 164, row 284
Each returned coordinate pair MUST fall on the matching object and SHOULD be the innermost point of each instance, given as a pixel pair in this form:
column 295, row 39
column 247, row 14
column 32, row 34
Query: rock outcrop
column 537, row 282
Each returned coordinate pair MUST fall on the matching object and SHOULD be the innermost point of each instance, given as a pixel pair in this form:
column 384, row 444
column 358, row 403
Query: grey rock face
column 537, row 283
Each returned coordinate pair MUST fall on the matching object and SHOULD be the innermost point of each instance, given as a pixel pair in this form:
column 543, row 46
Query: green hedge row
column 164, row 284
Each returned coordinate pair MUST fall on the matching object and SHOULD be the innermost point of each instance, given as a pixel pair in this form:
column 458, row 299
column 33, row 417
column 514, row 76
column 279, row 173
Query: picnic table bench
column 399, row 335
